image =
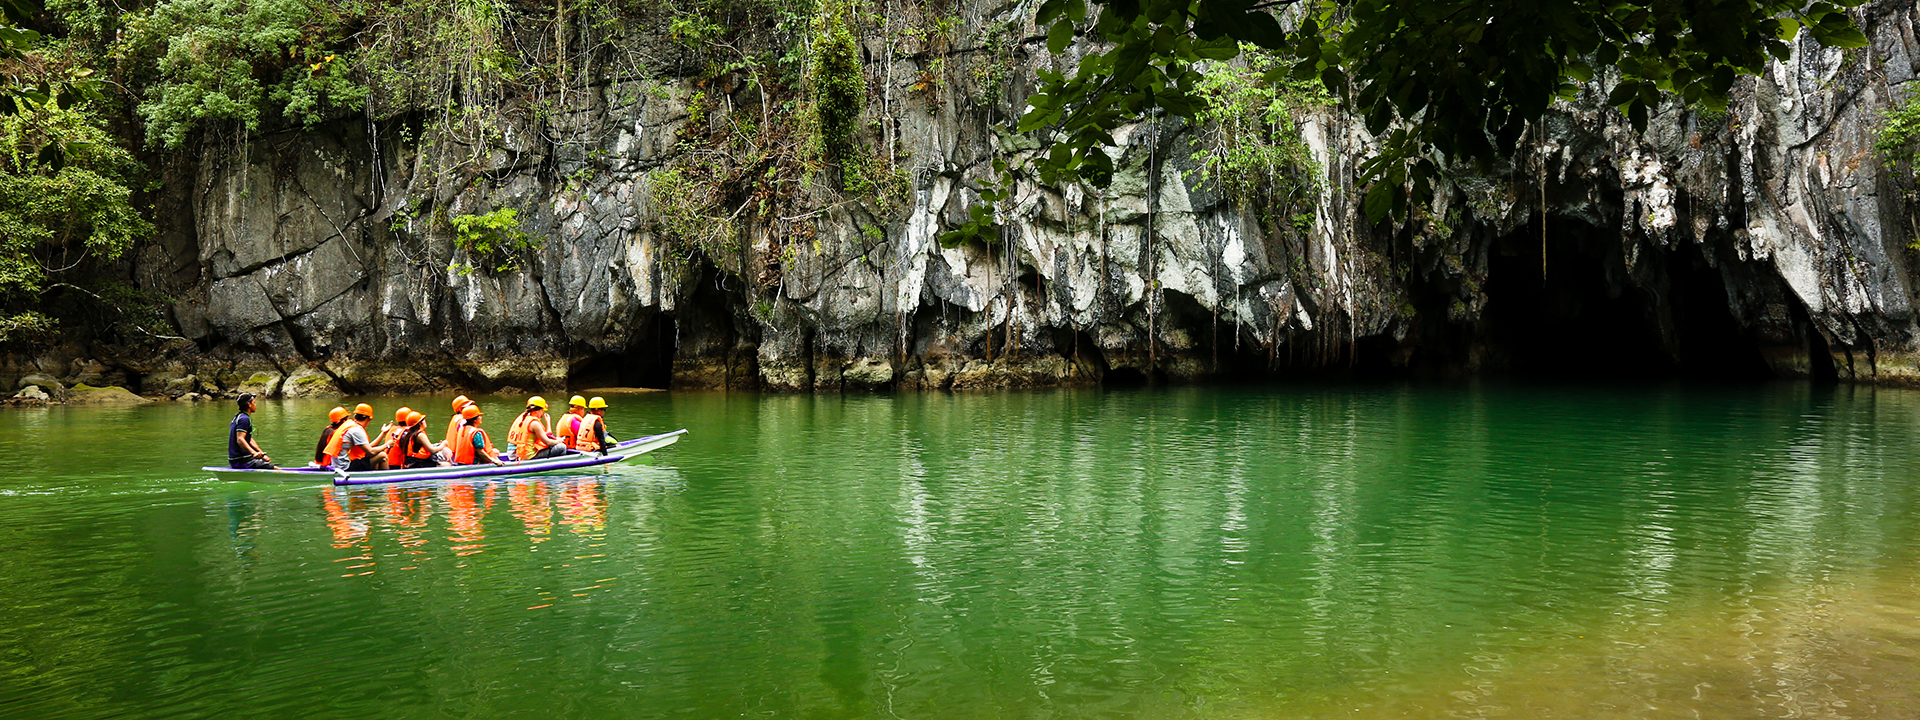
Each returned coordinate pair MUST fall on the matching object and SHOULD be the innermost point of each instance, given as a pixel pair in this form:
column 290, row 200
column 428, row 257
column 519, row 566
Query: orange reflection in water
column 346, row 528
column 408, row 511
column 465, row 509
column 529, row 499
column 582, row 506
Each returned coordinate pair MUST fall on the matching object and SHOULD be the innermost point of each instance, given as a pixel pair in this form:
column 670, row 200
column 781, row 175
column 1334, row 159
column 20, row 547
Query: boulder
column 44, row 382
column 308, row 382
column 265, row 383
column 31, row 396
column 171, row 382
column 84, row 394
column 88, row 371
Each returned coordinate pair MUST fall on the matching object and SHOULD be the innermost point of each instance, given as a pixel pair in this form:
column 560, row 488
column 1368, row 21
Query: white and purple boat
column 574, row 461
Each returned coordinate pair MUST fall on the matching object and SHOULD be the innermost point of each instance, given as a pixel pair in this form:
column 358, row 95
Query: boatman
column 243, row 453
column 592, row 436
column 569, row 425
column 473, row 446
column 322, row 457
column 528, row 437
column 351, row 450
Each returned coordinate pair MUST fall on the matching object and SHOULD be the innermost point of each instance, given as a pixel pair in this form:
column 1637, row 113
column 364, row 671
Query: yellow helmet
column 597, row 404
column 537, row 401
column 577, row 401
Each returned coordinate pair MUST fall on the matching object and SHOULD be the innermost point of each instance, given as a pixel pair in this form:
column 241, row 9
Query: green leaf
column 1379, row 202
column 52, row 157
column 1048, row 11
column 1059, row 36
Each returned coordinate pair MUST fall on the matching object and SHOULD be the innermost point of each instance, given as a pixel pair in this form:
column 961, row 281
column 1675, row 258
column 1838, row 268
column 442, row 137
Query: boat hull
column 620, row 451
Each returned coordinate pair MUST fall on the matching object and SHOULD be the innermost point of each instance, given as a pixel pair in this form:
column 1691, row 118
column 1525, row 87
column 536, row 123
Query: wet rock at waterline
column 1768, row 241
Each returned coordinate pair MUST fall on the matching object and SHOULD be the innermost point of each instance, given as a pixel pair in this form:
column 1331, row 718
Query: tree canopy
column 1437, row 81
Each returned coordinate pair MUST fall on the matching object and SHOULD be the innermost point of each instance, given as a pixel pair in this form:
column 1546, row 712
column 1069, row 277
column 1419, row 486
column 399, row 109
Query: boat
column 572, row 461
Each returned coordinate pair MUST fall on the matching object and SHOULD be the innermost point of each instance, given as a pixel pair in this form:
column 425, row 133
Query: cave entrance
column 1585, row 318
column 647, row 362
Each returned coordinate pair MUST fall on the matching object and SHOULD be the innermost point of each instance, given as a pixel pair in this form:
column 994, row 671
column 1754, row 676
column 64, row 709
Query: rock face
column 1771, row 240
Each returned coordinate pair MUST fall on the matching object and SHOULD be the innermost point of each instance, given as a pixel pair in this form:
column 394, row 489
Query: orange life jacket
column 463, row 453
column 569, row 429
column 339, row 435
column 585, row 439
column 453, row 428
column 525, row 440
column 396, row 453
column 417, row 443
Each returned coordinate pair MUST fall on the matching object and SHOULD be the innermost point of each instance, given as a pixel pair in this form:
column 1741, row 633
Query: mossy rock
column 308, row 382
column 84, row 394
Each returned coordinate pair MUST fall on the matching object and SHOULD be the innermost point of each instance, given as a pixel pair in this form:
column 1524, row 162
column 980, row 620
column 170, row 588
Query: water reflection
column 408, row 514
column 1300, row 553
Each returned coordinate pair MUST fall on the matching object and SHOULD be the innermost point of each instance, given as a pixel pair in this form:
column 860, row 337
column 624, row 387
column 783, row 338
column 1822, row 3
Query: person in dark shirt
column 243, row 452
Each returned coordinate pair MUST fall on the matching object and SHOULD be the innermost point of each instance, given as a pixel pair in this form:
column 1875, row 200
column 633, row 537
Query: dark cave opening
column 1123, row 377
column 647, row 362
column 1583, row 317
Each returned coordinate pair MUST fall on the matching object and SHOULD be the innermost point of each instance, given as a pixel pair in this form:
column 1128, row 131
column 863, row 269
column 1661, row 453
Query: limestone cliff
column 1767, row 241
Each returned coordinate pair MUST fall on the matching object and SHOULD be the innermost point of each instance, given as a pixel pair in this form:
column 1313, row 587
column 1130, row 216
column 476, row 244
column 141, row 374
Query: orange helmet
column 336, row 414
column 459, row 401
column 471, row 411
column 363, row 409
column 400, row 416
column 414, row 417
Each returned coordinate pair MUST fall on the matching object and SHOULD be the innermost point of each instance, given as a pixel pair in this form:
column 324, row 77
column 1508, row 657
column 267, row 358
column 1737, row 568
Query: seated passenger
column 528, row 436
column 473, row 446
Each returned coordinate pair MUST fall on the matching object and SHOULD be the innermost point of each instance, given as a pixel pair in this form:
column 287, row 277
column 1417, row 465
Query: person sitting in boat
column 419, row 450
column 453, row 425
column 473, row 446
column 568, row 429
column 528, row 437
column 351, row 450
column 396, row 455
column 322, row 456
column 592, row 435
column 243, row 453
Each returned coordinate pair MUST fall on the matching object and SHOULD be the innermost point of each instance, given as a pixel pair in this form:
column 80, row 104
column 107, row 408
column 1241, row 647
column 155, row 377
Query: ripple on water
column 1380, row 552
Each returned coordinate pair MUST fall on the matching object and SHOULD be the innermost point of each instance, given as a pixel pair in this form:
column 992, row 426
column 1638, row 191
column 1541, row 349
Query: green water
column 1350, row 551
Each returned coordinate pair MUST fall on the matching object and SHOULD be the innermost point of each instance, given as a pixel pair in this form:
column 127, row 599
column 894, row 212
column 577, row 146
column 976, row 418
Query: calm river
column 1299, row 552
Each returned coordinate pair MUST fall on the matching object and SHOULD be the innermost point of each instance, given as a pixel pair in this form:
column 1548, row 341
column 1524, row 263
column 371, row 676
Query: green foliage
column 867, row 175
column 29, row 80
column 1438, row 81
column 1250, row 139
column 53, row 218
column 494, row 239
column 836, row 82
column 1899, row 139
column 236, row 61
column 27, row 327
column 687, row 218
column 59, row 212
column 983, row 222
